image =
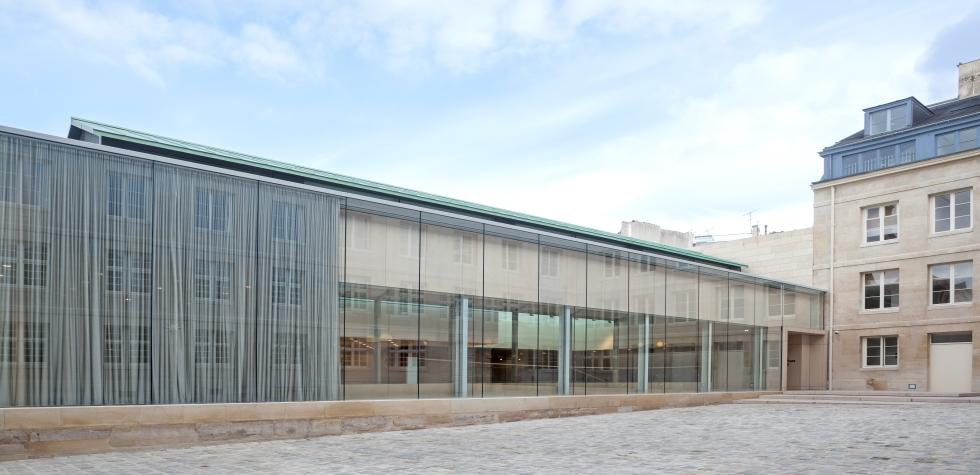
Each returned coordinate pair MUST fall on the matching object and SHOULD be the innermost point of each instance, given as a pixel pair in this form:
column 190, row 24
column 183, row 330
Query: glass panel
column 878, row 122
column 940, row 284
column 873, row 225
column 906, row 152
column 968, row 139
column 449, row 324
column 890, row 228
column 682, row 358
column 898, row 117
column 962, row 209
column 890, row 289
column 382, row 312
column 608, row 363
column 563, row 293
column 872, row 291
column 510, row 317
column 963, row 282
column 942, row 212
column 945, row 143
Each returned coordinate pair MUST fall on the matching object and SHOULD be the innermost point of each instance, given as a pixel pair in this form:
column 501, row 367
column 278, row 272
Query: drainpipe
column 830, row 322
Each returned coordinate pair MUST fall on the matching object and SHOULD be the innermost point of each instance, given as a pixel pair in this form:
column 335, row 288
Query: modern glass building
column 139, row 269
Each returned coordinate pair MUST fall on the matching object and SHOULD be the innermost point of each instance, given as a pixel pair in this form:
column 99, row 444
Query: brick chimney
column 970, row 79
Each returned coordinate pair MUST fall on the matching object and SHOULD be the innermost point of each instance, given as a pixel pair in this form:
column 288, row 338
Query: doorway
column 951, row 362
column 806, row 361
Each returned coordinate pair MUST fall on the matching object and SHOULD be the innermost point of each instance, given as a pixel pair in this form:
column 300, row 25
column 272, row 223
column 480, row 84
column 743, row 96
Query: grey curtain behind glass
column 124, row 281
column 295, row 331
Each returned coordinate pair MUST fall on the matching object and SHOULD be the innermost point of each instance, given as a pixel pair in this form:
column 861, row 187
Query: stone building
column 895, row 245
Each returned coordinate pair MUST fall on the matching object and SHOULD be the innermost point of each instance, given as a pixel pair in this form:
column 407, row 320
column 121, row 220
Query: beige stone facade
column 786, row 256
column 841, row 257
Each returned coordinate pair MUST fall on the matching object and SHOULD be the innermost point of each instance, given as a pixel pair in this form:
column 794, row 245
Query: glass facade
column 131, row 281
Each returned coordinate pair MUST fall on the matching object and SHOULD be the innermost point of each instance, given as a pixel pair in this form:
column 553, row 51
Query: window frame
column 881, row 224
column 952, row 284
column 882, row 340
column 881, row 279
column 888, row 113
column 952, row 212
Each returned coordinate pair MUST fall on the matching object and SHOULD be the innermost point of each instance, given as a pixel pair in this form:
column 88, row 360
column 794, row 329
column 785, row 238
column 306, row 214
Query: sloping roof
column 227, row 156
column 942, row 111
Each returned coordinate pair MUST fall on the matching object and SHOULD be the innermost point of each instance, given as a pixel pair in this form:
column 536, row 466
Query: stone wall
column 48, row 431
column 785, row 255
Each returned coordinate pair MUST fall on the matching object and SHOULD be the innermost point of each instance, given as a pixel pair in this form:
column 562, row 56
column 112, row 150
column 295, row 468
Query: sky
column 685, row 114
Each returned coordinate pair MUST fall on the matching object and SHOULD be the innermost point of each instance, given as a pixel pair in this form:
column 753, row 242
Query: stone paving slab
column 727, row 438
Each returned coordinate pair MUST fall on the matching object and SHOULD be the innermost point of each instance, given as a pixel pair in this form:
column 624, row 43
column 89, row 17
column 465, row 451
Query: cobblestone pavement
column 726, row 438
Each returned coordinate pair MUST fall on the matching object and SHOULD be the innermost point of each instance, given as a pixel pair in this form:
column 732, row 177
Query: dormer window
column 887, row 120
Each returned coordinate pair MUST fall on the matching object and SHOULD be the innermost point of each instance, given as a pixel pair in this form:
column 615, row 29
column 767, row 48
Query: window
column 773, row 348
column 211, row 210
column 408, row 239
column 952, row 211
column 737, row 302
column 211, row 346
column 115, row 344
column 126, row 196
column 878, row 158
column 956, row 141
column 35, row 264
column 286, row 288
column 510, row 256
column 23, row 263
column 359, row 230
column 880, row 351
column 946, row 143
column 550, row 259
column 285, row 221
column 906, row 152
column 881, row 289
column 647, row 264
column 952, row 283
column 358, row 297
column 212, row 280
column 774, row 301
column 881, row 223
column 128, row 271
column 851, row 164
column 887, row 120
column 356, row 353
column 464, row 248
column 24, row 182
column 611, row 266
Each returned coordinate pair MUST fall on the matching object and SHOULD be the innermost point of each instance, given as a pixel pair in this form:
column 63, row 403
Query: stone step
column 823, row 401
column 881, row 393
column 776, row 399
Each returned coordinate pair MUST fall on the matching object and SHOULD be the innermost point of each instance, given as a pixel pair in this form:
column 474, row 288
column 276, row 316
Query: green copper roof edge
column 122, row 133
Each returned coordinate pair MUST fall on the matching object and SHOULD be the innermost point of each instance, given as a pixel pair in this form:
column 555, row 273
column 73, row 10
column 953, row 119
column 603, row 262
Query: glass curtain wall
column 510, row 313
column 125, row 281
column 647, row 290
column 381, row 313
column 562, row 303
column 606, row 358
column 450, row 324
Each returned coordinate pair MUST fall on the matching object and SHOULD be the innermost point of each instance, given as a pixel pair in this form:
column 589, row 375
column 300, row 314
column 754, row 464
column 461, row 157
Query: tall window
column 510, row 256
column 464, row 248
column 887, row 120
column 549, row 262
column 211, row 210
column 24, row 182
column 952, row 211
column 880, row 351
column 952, row 283
column 774, row 301
column 24, row 263
column 408, row 238
column 737, row 302
column 126, row 196
column 286, row 286
column 611, row 266
column 128, row 271
column 881, row 223
column 285, row 221
column 881, row 289
column 118, row 339
column 359, row 231
column 212, row 280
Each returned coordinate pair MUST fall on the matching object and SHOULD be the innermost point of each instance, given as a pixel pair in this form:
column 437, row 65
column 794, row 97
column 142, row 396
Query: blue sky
column 687, row 114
